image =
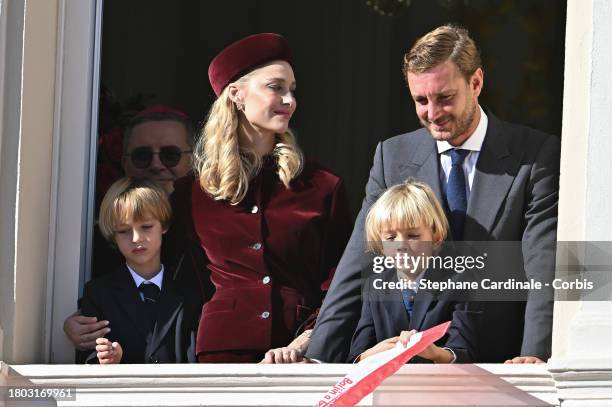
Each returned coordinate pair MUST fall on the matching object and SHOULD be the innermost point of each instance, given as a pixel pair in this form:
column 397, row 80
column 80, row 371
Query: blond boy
column 407, row 224
column 150, row 319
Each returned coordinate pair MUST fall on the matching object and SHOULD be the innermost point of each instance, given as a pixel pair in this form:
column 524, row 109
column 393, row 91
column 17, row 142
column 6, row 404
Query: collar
column 416, row 280
column 157, row 279
column 474, row 142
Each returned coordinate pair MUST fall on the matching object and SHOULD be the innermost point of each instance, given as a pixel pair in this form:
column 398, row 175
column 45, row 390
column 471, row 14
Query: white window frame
column 74, row 165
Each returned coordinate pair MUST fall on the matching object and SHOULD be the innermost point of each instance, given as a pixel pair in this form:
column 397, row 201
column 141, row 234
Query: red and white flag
column 367, row 375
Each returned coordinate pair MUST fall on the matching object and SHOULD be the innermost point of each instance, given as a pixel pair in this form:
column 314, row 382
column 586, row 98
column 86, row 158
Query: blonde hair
column 448, row 42
column 408, row 205
column 133, row 199
column 223, row 167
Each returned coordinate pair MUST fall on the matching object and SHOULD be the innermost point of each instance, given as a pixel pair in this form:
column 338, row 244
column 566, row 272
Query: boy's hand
column 405, row 336
column 108, row 353
column 433, row 352
column 83, row 331
column 379, row 347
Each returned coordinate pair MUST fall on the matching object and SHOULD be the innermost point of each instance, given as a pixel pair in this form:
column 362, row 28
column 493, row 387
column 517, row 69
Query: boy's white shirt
column 157, row 279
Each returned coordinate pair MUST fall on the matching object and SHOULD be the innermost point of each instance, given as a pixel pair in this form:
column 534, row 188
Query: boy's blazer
column 116, row 298
column 384, row 316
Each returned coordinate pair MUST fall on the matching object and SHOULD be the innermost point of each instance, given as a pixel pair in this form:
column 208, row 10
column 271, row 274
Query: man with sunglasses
column 157, row 145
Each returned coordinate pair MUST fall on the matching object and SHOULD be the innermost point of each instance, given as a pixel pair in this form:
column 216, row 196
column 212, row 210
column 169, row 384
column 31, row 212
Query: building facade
column 49, row 76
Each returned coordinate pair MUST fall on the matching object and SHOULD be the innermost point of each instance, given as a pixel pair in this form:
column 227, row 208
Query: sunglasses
column 142, row 157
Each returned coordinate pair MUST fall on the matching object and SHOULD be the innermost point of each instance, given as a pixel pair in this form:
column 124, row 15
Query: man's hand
column 108, row 353
column 292, row 353
column 524, row 360
column 283, row 355
column 83, row 331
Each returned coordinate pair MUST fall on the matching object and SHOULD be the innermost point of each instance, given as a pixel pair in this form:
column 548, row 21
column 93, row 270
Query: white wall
column 574, row 136
column 73, row 169
column 34, row 179
column 11, row 44
column 27, row 128
column 45, row 147
column 599, row 147
column 48, row 91
column 583, row 329
column 2, row 54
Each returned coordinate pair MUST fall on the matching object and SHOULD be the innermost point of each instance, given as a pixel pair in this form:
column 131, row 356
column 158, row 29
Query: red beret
column 242, row 56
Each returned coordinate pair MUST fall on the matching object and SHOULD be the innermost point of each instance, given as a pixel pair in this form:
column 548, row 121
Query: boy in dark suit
column 151, row 319
column 408, row 225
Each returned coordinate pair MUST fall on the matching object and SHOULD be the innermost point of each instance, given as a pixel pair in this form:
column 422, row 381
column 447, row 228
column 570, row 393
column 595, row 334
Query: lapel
column 128, row 297
column 424, row 165
column 495, row 171
column 425, row 300
column 168, row 307
column 419, row 310
column 393, row 304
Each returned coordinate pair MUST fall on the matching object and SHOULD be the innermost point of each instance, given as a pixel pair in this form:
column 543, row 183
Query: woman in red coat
column 272, row 225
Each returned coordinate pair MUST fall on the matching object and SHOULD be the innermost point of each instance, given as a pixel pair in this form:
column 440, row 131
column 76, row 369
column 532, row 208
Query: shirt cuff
column 453, row 353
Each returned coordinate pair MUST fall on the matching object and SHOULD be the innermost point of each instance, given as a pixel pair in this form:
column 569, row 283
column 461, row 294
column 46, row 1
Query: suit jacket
column 271, row 257
column 513, row 198
column 116, row 298
column 383, row 316
column 106, row 257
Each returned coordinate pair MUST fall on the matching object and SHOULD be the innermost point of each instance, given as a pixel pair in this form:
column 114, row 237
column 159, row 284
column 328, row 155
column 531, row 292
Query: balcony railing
column 281, row 385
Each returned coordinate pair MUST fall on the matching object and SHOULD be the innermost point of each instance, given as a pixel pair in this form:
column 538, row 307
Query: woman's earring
column 240, row 106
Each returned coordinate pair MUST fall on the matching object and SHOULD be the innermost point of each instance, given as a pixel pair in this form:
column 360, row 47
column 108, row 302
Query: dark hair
column 159, row 117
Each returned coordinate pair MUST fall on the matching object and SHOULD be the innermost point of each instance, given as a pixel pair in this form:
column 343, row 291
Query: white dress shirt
column 157, row 279
column 474, row 145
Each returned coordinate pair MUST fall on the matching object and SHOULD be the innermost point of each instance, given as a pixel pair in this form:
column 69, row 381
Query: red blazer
column 271, row 257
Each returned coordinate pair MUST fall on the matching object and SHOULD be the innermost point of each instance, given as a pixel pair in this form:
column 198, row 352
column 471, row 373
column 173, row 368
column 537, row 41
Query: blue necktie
column 408, row 297
column 456, row 196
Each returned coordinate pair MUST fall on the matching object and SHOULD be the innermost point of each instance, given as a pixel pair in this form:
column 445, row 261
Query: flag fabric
column 367, row 375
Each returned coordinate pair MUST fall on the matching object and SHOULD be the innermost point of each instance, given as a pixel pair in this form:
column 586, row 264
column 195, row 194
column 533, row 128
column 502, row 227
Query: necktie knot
column 150, row 292
column 458, row 156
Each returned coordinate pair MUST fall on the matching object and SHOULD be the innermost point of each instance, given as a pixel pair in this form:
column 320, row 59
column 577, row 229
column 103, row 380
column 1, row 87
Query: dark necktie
column 150, row 292
column 456, row 196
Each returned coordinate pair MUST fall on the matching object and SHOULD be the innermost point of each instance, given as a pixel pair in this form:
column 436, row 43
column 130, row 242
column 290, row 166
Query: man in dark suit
column 499, row 182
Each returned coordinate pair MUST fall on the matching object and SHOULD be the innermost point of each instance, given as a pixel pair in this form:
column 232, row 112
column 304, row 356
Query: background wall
column 351, row 93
